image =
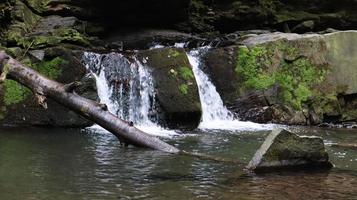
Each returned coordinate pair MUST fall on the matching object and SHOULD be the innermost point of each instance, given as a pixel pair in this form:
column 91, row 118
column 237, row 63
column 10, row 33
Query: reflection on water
column 72, row 164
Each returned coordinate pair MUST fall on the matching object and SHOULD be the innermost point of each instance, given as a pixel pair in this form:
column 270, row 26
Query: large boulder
column 177, row 91
column 285, row 150
column 287, row 78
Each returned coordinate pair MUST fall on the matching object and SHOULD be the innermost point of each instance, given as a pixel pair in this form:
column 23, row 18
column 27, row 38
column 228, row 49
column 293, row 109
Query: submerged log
column 43, row 88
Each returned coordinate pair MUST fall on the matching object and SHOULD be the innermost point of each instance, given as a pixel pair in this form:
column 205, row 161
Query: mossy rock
column 177, row 91
column 308, row 73
column 17, row 106
column 285, row 150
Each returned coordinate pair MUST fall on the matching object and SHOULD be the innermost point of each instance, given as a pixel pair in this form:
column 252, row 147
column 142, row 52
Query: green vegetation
column 51, row 68
column 186, row 73
column 183, row 88
column 173, row 53
column 63, row 35
column 295, row 78
column 251, row 70
column 15, row 92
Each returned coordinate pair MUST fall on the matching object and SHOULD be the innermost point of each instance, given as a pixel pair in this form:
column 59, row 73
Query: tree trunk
column 43, row 87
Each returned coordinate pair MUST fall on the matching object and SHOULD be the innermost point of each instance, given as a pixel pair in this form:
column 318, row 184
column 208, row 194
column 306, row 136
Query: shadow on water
column 73, row 164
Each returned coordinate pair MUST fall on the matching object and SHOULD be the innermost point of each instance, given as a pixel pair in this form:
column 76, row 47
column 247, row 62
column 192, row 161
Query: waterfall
column 127, row 88
column 214, row 114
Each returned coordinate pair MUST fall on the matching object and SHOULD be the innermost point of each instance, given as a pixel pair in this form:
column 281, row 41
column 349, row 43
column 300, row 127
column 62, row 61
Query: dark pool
column 74, row 164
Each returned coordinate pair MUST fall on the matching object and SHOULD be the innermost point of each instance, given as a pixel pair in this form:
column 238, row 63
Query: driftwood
column 43, row 88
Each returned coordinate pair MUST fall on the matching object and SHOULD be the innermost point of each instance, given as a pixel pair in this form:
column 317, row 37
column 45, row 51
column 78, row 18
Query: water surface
column 74, row 164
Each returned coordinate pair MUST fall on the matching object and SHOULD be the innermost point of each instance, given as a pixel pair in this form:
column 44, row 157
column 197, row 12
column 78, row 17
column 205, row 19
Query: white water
column 214, row 114
column 135, row 106
column 136, row 102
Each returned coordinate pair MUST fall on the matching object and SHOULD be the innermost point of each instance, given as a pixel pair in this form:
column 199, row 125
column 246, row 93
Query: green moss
column 186, row 73
column 62, row 35
column 173, row 53
column 51, row 68
column 183, row 88
column 251, row 70
column 295, row 78
column 39, row 5
column 15, row 92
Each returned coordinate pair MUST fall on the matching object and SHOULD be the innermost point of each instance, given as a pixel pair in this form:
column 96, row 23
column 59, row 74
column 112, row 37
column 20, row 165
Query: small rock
column 285, row 150
column 38, row 54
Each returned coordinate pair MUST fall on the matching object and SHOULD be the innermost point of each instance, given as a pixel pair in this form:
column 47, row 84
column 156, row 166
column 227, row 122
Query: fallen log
column 42, row 87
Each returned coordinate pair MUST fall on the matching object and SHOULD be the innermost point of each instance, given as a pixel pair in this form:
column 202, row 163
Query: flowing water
column 127, row 88
column 73, row 164
column 214, row 114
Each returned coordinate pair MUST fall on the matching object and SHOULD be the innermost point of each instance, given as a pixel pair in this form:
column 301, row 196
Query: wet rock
column 287, row 115
column 221, row 62
column 285, row 150
column 177, row 91
column 253, row 107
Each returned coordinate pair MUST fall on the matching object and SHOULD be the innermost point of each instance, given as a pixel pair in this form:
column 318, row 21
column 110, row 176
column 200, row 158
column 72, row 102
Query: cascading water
column 214, row 114
column 127, row 88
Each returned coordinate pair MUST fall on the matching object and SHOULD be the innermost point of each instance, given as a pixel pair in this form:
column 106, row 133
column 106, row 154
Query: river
column 38, row 163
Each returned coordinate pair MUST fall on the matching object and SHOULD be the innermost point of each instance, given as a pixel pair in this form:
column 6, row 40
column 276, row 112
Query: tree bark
column 43, row 87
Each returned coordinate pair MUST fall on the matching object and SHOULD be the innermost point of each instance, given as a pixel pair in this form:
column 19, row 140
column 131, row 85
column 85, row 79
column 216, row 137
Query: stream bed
column 38, row 163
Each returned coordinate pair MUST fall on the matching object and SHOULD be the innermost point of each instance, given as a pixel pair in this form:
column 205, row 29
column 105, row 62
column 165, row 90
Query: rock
column 117, row 13
column 148, row 38
column 285, row 114
column 342, row 51
column 17, row 105
column 177, row 91
column 39, row 55
column 285, row 150
column 221, row 62
column 258, row 75
column 304, row 27
column 302, row 16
